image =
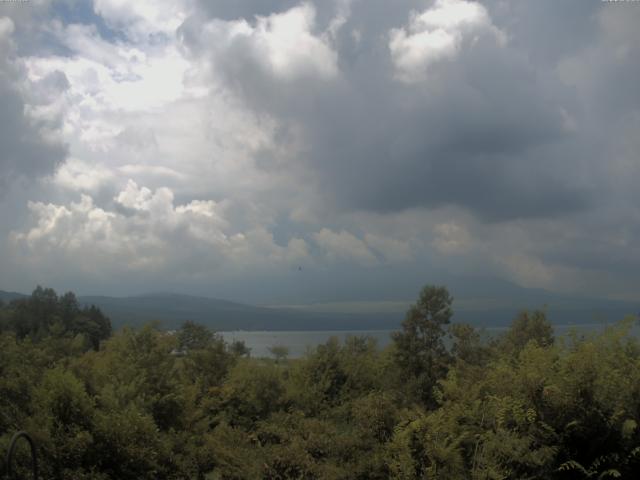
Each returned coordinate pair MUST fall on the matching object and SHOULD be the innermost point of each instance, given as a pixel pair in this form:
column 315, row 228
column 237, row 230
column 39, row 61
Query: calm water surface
column 298, row 342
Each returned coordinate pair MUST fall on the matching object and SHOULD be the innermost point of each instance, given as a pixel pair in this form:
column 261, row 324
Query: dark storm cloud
column 514, row 154
column 486, row 130
column 547, row 30
column 25, row 152
column 482, row 138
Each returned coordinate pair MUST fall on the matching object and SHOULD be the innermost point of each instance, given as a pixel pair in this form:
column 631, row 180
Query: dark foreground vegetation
column 147, row 404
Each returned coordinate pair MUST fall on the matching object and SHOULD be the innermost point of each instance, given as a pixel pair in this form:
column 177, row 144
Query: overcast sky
column 278, row 151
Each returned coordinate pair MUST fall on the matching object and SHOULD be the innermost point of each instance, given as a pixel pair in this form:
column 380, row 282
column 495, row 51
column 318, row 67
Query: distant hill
column 483, row 310
column 171, row 310
column 9, row 296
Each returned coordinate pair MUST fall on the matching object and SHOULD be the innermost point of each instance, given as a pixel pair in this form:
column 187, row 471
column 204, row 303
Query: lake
column 299, row 341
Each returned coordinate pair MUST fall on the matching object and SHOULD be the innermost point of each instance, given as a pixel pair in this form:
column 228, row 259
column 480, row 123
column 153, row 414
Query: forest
column 443, row 401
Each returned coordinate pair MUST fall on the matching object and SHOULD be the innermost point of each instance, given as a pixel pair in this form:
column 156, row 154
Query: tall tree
column 419, row 347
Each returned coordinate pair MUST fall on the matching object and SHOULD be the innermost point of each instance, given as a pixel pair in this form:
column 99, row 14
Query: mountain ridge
column 172, row 309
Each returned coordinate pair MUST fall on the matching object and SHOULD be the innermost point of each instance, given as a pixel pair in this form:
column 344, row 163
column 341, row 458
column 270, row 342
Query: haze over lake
column 299, row 343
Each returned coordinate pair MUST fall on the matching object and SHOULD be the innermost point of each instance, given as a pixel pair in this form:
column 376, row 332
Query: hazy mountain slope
column 480, row 308
column 172, row 310
column 9, row 296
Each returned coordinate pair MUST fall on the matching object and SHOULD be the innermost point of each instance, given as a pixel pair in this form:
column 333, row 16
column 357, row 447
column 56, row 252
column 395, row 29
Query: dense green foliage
column 143, row 403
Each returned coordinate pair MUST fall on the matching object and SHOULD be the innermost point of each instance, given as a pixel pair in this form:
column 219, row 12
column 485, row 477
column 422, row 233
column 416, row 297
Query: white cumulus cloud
column 148, row 231
column 283, row 44
column 436, row 34
column 142, row 18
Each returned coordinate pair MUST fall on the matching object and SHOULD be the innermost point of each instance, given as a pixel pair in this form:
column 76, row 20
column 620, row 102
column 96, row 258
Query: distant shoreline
column 299, row 341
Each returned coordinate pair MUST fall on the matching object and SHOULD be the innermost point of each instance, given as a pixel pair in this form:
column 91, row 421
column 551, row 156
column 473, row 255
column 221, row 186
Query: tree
column 68, row 308
column 239, row 349
column 93, row 323
column 528, row 327
column 279, row 352
column 419, row 347
column 44, row 314
column 194, row 336
column 251, row 393
column 467, row 345
column 64, row 415
column 4, row 315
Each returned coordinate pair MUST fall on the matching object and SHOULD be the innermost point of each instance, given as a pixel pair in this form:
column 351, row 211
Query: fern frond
column 612, row 472
column 573, row 465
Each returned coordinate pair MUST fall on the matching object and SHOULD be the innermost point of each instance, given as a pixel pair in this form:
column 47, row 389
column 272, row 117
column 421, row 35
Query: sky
column 289, row 152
